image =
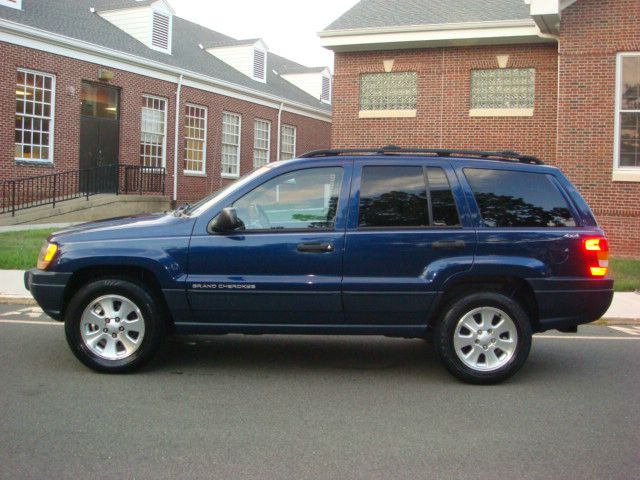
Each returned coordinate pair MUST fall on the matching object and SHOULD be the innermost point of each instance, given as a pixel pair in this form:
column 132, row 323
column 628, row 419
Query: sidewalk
column 625, row 308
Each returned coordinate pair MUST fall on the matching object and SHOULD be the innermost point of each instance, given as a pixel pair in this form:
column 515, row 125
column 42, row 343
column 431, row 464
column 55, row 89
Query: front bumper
column 564, row 303
column 48, row 290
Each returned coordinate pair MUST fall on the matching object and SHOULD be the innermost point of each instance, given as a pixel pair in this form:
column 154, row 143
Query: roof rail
column 506, row 155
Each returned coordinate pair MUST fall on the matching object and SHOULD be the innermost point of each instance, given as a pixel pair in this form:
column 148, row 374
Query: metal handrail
column 28, row 192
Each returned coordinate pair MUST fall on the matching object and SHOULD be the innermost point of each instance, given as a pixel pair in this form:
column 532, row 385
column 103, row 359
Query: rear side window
column 393, row 196
column 508, row 198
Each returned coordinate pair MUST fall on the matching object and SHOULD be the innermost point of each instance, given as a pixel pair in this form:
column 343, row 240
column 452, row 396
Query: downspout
column 175, row 144
column 279, row 121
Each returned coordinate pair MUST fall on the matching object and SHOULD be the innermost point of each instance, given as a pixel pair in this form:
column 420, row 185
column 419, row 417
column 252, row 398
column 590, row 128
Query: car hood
column 138, row 226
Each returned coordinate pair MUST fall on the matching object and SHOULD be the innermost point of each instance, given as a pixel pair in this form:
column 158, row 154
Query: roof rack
column 506, row 155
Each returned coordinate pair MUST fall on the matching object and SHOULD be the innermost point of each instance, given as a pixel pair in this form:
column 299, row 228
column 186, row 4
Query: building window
column 287, row 142
column 195, row 139
column 504, row 88
column 12, row 3
column 161, row 32
column 153, row 139
column 261, row 142
column 35, row 103
column 230, row 145
column 388, row 91
column 628, row 112
column 325, row 95
column 259, row 64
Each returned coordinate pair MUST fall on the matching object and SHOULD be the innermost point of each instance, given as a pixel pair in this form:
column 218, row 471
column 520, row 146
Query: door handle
column 449, row 244
column 315, row 247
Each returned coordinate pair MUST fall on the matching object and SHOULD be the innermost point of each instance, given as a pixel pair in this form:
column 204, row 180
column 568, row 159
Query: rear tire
column 114, row 325
column 483, row 338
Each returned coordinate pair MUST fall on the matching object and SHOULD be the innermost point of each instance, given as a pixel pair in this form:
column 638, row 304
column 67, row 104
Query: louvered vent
column 326, row 89
column 259, row 61
column 160, row 33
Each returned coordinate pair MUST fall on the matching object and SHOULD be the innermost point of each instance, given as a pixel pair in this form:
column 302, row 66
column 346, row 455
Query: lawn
column 19, row 250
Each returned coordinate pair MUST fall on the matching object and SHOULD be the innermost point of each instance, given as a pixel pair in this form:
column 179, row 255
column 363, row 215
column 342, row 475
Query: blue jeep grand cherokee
column 475, row 250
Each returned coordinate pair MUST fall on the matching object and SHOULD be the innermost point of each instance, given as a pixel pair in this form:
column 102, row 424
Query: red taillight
column 597, row 250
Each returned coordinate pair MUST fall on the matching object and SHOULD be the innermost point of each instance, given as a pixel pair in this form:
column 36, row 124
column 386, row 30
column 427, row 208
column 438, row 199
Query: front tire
column 114, row 325
column 483, row 338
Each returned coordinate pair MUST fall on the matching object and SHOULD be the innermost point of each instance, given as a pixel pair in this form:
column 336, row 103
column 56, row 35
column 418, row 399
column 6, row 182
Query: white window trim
column 264, row 72
column 238, row 157
column 164, row 135
column 17, row 4
column 52, row 122
column 621, row 174
column 170, row 32
column 268, row 122
column 203, row 172
column 295, row 139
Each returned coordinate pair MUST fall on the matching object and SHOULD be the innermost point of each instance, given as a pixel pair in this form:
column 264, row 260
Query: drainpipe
column 175, row 144
column 279, row 120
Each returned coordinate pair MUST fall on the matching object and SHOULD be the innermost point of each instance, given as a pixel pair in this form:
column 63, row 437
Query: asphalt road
column 279, row 407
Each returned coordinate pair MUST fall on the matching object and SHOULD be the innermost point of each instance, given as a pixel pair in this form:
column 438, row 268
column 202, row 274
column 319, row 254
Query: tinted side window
column 303, row 199
column 393, row 197
column 443, row 206
column 518, row 199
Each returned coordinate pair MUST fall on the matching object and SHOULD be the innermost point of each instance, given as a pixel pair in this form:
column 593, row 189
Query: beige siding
column 134, row 21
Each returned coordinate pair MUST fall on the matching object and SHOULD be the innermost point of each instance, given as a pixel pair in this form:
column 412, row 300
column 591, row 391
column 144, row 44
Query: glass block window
column 287, row 142
column 230, row 144
column 503, row 88
column 35, row 102
column 388, row 91
column 195, row 138
column 261, row 142
column 153, row 139
column 629, row 111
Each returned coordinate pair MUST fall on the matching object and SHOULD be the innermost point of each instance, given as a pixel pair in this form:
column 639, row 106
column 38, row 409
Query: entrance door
column 99, row 137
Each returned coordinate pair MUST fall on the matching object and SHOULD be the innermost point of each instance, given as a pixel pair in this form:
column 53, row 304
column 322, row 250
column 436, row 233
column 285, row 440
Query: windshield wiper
column 182, row 210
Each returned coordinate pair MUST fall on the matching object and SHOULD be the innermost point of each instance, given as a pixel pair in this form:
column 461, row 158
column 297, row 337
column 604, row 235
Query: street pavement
column 278, row 407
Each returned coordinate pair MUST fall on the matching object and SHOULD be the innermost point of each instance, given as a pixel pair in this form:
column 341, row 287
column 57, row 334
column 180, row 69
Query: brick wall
column 311, row 133
column 592, row 33
column 444, row 78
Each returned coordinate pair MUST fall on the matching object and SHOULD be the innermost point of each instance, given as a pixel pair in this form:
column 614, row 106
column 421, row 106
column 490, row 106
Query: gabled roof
column 384, row 13
column 73, row 19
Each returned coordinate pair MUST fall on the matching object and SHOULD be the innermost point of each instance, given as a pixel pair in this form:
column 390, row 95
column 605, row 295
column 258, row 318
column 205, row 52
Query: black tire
column 446, row 330
column 152, row 317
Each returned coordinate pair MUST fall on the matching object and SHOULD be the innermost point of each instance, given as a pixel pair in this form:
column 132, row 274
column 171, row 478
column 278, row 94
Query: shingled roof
column 73, row 19
column 368, row 14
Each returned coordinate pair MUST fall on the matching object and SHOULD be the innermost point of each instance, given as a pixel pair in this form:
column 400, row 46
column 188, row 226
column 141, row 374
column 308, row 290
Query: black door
column 99, row 138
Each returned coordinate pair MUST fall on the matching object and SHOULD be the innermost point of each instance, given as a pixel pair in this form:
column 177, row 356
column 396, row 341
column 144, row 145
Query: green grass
column 19, row 251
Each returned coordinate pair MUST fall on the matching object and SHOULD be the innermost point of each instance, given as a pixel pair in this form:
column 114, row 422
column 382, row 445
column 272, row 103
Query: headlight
column 47, row 254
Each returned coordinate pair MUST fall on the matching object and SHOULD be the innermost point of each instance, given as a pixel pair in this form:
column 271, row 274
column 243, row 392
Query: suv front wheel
column 483, row 338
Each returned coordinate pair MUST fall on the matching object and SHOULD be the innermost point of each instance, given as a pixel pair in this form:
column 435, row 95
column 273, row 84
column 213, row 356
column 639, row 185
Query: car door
column 408, row 230
column 284, row 266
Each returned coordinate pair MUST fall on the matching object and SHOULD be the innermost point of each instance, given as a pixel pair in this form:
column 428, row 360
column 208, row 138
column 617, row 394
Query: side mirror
column 226, row 221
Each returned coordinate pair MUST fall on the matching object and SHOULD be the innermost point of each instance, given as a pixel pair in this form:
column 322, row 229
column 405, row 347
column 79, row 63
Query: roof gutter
column 170, row 73
column 175, row 142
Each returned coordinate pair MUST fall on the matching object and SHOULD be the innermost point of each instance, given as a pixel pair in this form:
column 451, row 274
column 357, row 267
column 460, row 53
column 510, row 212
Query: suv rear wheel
column 114, row 325
column 483, row 338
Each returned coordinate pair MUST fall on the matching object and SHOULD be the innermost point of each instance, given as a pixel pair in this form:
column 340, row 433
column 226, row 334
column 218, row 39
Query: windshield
column 204, row 204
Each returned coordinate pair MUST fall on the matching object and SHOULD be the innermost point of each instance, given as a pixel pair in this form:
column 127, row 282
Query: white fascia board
column 425, row 36
column 29, row 37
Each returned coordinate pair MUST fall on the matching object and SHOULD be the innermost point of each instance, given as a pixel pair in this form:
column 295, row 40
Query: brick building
column 86, row 83
column 559, row 79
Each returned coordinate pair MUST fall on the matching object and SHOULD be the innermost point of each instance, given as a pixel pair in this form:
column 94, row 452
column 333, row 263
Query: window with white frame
column 259, row 64
column 287, row 142
column 503, row 88
column 261, row 142
column 325, row 94
column 230, row 145
column 35, row 104
column 153, row 140
column 161, row 31
column 195, row 139
column 12, row 3
column 628, row 112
